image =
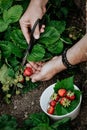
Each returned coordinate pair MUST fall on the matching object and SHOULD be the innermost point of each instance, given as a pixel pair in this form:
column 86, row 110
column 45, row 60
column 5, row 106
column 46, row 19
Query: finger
column 34, row 65
column 55, row 57
column 41, row 30
column 43, row 26
column 37, row 32
column 26, row 33
column 29, row 65
column 40, row 63
column 36, row 77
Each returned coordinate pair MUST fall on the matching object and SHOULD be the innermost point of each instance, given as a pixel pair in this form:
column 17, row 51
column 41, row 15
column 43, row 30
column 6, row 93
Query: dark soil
column 23, row 105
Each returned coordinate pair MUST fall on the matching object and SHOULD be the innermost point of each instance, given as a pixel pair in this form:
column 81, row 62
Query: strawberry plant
column 14, row 78
column 36, row 121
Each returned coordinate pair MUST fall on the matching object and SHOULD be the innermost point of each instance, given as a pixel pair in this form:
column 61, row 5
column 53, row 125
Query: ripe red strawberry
column 52, row 103
column 28, row 71
column 50, row 110
column 57, row 98
column 62, row 92
column 70, row 95
column 65, row 102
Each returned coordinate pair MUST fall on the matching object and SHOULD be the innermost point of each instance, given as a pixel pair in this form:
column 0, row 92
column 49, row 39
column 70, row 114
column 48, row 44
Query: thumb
column 36, row 77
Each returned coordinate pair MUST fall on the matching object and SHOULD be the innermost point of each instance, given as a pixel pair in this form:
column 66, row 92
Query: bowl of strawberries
column 61, row 99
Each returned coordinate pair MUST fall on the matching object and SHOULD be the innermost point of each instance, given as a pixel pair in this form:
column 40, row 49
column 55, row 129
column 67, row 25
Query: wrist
column 65, row 60
column 59, row 64
column 72, row 55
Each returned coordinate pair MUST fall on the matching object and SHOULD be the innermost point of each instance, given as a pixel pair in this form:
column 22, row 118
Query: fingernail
column 36, row 36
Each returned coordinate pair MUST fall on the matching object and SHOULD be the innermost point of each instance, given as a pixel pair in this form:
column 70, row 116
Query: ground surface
column 22, row 105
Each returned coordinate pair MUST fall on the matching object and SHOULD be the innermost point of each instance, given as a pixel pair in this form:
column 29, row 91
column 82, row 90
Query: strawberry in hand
column 28, row 71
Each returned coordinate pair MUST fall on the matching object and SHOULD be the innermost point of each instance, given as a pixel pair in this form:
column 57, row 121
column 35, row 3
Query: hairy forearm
column 75, row 55
column 78, row 53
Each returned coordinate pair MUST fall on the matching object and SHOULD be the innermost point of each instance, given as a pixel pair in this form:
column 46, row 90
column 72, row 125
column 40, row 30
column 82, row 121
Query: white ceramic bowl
column 44, row 99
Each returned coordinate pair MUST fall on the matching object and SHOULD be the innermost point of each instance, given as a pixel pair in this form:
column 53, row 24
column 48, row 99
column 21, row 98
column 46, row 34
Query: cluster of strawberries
column 27, row 72
column 63, row 97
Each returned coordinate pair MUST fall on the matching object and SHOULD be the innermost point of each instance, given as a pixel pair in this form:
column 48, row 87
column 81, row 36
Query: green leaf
column 66, row 83
column 13, row 61
column 18, row 38
column 16, row 50
column 5, row 4
column 4, row 77
column 5, row 17
column 13, row 14
column 11, row 72
column 60, row 110
column 59, row 25
column 55, row 48
column 3, row 25
column 37, row 53
column 64, row 11
column 7, row 122
column 63, row 124
column 47, row 56
column 42, row 127
column 6, row 49
column 50, row 36
column 35, row 119
column 9, row 48
column 29, row 86
column 75, row 102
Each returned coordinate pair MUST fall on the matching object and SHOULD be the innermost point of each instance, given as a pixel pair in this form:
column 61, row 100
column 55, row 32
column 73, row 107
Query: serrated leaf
column 29, row 86
column 13, row 14
column 55, row 48
column 5, row 4
column 6, row 49
column 36, row 118
column 42, row 127
column 66, row 83
column 18, row 38
column 47, row 56
column 59, row 25
column 16, row 50
column 60, row 110
column 14, row 62
column 4, row 77
column 3, row 25
column 5, row 17
column 9, row 48
column 37, row 53
column 11, row 72
column 50, row 36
